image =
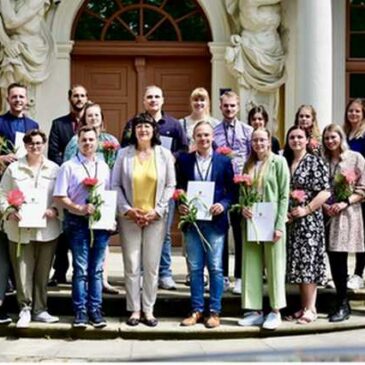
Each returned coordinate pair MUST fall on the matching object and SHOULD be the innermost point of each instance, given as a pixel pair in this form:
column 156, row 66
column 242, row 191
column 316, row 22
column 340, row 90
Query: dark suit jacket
column 222, row 174
column 59, row 136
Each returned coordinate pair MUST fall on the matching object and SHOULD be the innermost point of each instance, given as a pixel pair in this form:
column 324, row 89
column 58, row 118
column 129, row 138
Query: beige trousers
column 31, row 272
column 141, row 247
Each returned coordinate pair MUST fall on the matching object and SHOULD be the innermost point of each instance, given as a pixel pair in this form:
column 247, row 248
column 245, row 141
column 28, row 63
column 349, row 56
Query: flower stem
column 206, row 244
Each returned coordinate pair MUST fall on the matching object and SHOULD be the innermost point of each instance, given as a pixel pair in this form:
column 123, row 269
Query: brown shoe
column 194, row 318
column 212, row 321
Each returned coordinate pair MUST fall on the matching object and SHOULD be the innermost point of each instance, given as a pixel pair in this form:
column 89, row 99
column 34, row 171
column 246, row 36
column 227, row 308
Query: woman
column 258, row 118
column 200, row 110
column 306, row 243
column 38, row 245
column 272, row 174
column 354, row 128
column 346, row 229
column 144, row 177
column 206, row 165
column 93, row 117
column 306, row 118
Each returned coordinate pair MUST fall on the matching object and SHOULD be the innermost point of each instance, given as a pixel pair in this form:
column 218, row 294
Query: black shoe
column 4, row 318
column 55, row 280
column 96, row 319
column 9, row 287
column 80, row 320
column 343, row 312
column 133, row 321
column 151, row 322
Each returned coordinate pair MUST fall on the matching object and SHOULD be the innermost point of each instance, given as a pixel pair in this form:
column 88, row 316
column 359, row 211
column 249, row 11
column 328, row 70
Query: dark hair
column 258, row 109
column 14, row 85
column 32, row 133
column 85, row 129
column 70, row 91
column 288, row 152
column 88, row 105
column 145, row 118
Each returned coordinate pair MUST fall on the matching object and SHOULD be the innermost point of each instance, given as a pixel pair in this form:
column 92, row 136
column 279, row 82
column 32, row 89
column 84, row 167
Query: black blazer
column 59, row 136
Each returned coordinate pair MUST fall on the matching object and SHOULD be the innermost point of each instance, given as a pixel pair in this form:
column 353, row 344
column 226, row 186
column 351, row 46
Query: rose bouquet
column 248, row 194
column 109, row 149
column 225, row 151
column 15, row 199
column 94, row 198
column 344, row 183
column 191, row 217
column 297, row 197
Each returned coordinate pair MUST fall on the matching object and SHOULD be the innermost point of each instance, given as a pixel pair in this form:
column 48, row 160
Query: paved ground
column 342, row 346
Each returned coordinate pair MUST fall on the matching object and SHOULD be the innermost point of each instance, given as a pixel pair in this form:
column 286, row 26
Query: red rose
column 90, row 182
column 243, row 179
column 110, row 146
column 15, row 198
column 226, row 151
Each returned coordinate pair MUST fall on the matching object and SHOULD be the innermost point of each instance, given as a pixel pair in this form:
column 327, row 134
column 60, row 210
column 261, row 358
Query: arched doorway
column 123, row 45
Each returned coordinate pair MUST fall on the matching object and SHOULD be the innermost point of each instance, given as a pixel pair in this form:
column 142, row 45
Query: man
column 62, row 130
column 174, row 138
column 236, row 135
column 11, row 122
column 205, row 165
column 71, row 193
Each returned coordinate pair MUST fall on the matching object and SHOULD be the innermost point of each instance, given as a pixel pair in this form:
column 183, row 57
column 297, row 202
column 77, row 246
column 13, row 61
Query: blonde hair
column 360, row 130
column 201, row 92
column 230, row 94
column 314, row 130
column 334, row 128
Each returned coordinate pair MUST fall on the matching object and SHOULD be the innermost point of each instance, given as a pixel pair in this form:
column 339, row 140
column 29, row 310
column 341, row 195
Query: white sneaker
column 167, row 283
column 237, row 286
column 355, row 282
column 226, row 283
column 272, row 321
column 252, row 319
column 45, row 317
column 24, row 318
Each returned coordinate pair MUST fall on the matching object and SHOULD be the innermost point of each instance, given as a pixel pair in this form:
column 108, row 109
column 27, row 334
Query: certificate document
column 108, row 210
column 261, row 227
column 33, row 209
column 166, row 142
column 203, row 194
column 19, row 145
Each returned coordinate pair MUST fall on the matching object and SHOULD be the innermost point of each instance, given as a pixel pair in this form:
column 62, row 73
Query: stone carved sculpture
column 256, row 56
column 27, row 49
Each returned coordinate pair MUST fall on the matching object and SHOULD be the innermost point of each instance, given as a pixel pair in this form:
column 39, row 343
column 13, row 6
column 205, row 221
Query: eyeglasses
column 34, row 144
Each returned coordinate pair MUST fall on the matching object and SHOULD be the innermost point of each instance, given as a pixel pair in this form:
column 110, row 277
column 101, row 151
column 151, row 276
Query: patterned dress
column 306, row 235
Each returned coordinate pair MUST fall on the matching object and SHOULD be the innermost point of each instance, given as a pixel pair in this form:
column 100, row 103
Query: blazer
column 222, row 175
column 122, row 179
column 59, row 136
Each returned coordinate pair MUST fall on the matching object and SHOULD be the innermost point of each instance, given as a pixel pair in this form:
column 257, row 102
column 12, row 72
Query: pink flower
column 178, row 193
column 313, row 143
column 298, row 195
column 15, row 198
column 243, row 179
column 110, row 146
column 350, row 176
column 226, row 151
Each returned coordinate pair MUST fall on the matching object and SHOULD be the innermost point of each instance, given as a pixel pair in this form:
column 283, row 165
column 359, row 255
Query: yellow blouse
column 144, row 183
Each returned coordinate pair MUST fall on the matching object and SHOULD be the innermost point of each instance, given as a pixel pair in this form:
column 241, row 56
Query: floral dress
column 306, row 235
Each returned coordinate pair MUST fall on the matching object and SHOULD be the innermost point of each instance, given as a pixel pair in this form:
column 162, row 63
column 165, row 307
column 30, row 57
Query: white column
column 314, row 57
column 221, row 78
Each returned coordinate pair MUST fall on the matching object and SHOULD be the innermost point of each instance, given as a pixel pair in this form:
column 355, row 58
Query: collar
column 14, row 117
column 23, row 163
column 85, row 160
column 231, row 123
column 201, row 158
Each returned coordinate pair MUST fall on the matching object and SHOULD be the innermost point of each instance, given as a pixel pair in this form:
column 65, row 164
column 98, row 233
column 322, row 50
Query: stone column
column 314, row 57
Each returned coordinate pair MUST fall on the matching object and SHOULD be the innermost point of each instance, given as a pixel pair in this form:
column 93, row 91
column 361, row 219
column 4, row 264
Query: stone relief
column 256, row 56
column 27, row 49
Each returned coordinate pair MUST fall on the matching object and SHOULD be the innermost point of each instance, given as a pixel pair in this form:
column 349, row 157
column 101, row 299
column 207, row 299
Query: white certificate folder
column 261, row 227
column 33, row 209
column 203, row 193
column 107, row 210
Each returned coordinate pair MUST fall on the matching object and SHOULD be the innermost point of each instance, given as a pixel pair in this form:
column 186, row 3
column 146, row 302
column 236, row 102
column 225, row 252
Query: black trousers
column 360, row 256
column 61, row 263
column 235, row 219
column 338, row 264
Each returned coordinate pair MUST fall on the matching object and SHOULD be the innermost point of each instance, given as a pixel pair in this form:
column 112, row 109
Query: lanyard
column 205, row 177
column 85, row 168
column 225, row 127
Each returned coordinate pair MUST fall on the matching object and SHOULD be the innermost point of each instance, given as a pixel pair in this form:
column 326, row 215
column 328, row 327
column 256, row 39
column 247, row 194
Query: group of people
column 316, row 188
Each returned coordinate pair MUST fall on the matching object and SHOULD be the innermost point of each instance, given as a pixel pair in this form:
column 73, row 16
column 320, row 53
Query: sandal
column 307, row 317
column 294, row 316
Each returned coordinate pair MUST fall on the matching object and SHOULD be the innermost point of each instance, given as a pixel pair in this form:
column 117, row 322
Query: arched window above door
column 141, row 21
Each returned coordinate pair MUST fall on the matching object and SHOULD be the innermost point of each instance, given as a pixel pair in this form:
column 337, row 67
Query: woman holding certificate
column 207, row 177
column 306, row 240
column 144, row 178
column 31, row 247
column 346, row 228
column 270, row 175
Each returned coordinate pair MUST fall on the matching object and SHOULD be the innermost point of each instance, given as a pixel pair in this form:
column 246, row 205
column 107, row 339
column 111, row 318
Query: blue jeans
column 199, row 255
column 165, row 261
column 87, row 262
